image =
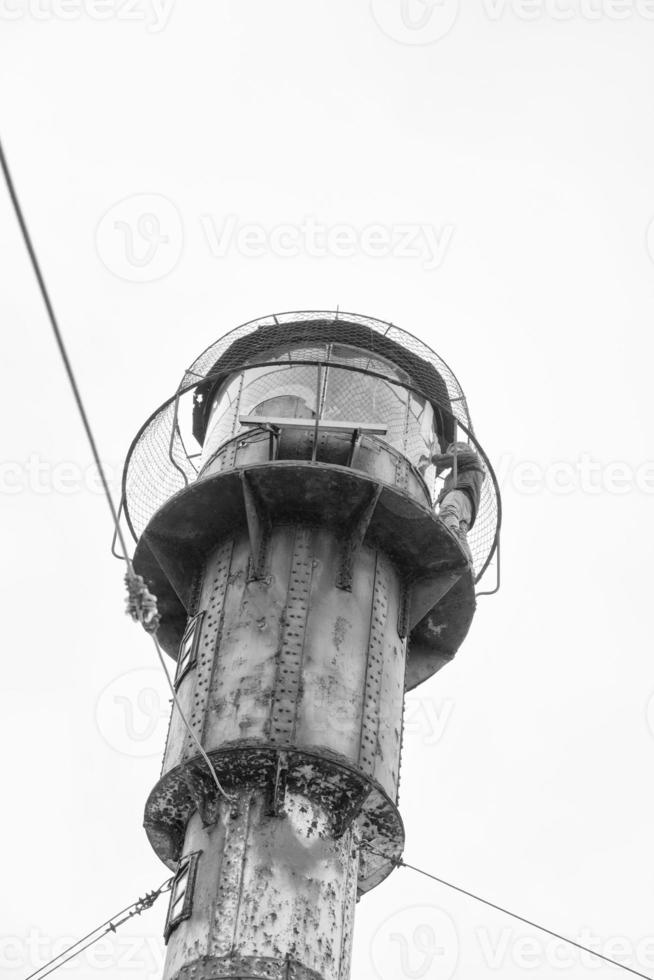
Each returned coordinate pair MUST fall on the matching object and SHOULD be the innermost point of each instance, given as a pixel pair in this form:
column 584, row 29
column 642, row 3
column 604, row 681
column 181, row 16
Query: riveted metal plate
column 230, row 882
column 347, row 929
column 374, row 670
column 196, row 592
column 229, row 456
column 218, row 569
column 291, row 650
column 402, row 473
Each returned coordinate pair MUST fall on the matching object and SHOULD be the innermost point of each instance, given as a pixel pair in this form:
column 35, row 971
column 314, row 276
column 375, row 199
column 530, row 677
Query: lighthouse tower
column 305, row 583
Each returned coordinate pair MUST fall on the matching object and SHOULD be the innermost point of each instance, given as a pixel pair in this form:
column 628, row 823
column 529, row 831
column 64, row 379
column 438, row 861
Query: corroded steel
column 268, row 892
column 293, row 659
column 173, row 547
column 288, row 667
column 288, row 661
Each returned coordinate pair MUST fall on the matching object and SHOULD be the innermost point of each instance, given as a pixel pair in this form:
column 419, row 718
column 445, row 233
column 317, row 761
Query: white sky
column 525, row 147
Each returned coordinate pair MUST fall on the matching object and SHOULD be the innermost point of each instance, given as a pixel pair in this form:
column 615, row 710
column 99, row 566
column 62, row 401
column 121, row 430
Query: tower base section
column 273, row 895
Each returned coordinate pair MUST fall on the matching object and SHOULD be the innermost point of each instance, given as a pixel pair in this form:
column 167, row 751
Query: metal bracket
column 354, row 539
column 497, row 574
column 426, row 593
column 278, row 788
column 404, row 613
column 354, row 445
column 203, row 794
column 258, row 531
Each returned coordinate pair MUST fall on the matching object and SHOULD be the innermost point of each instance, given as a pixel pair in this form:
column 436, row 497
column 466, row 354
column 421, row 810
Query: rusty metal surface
column 366, row 453
column 368, row 744
column 295, row 660
column 211, row 601
column 269, row 894
column 191, row 524
column 337, row 631
column 308, row 572
column 331, row 783
column 288, row 673
column 244, row 968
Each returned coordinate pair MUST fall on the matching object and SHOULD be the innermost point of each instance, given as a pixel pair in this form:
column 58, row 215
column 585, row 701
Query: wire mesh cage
column 329, row 366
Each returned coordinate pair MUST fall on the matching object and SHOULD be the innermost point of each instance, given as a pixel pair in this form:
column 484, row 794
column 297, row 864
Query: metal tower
column 305, row 583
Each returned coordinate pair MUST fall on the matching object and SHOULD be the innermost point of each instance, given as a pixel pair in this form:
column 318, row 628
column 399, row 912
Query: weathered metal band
column 339, row 787
column 189, row 526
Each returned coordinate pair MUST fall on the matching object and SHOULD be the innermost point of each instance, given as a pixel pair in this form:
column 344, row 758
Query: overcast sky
column 482, row 177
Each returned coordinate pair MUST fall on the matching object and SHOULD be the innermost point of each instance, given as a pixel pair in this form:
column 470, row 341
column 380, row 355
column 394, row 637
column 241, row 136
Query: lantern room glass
column 338, row 389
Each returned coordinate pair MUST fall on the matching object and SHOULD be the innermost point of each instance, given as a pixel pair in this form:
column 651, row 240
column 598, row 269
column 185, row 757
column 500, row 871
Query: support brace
column 278, row 787
column 258, row 530
column 354, row 539
column 203, row 794
column 426, row 593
